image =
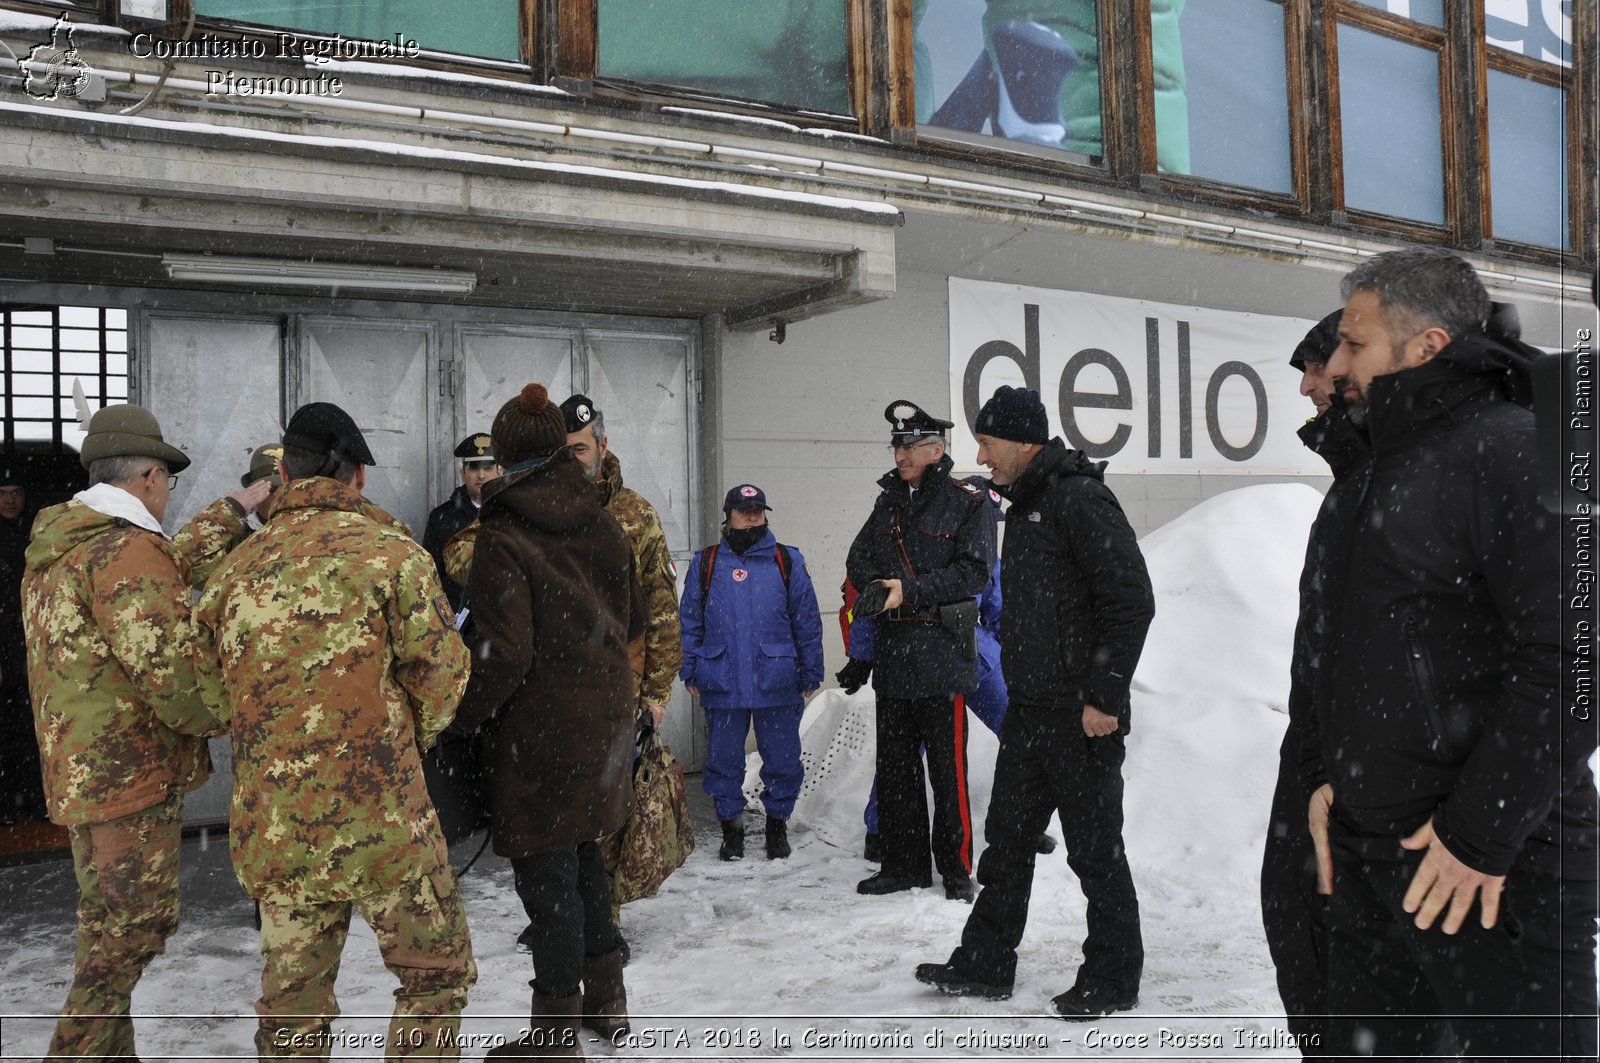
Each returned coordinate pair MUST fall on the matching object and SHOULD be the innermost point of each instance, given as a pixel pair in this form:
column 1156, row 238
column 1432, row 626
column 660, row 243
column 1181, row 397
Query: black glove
column 873, row 599
column 854, row 675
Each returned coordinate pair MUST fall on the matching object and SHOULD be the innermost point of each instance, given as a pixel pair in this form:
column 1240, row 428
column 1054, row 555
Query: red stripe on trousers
column 961, row 781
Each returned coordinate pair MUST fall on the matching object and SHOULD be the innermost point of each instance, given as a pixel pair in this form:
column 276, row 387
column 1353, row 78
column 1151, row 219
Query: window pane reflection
column 1231, row 116
column 1527, row 161
column 489, row 30
column 1428, row 12
column 788, row 52
column 1390, row 124
column 1538, row 29
column 1026, row 71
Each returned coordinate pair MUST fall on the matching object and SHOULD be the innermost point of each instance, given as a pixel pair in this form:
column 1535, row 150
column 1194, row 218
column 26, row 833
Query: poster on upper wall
column 1148, row 387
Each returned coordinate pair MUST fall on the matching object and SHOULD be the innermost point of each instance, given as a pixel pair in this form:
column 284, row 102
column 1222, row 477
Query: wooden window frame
column 1360, row 16
column 1555, row 76
column 1302, row 198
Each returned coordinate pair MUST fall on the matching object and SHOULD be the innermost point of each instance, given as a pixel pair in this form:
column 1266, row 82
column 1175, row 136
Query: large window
column 1017, row 70
column 486, row 28
column 47, row 352
column 1529, row 121
column 787, row 52
column 1221, row 91
column 1390, row 126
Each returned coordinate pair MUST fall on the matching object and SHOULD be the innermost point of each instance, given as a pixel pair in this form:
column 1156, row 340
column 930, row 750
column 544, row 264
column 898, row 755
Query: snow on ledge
column 412, row 151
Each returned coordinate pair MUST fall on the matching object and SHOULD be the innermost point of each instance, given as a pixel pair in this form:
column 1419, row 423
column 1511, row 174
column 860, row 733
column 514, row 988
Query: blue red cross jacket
column 751, row 640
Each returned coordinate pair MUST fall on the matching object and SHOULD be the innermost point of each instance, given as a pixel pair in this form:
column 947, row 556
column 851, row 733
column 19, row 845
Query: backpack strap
column 708, row 561
column 781, row 554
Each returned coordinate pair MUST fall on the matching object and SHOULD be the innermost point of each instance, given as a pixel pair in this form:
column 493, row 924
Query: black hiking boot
column 778, row 839
column 732, row 840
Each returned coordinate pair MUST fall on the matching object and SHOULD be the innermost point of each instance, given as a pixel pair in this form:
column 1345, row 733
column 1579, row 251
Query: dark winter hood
column 1334, row 438
column 1056, row 459
column 1471, row 369
column 553, row 496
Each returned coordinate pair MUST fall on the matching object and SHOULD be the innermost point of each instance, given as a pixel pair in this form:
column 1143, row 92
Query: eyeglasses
column 897, row 447
column 172, row 477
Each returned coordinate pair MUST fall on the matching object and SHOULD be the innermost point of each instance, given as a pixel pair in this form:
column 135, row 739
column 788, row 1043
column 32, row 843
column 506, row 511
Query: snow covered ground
column 758, row 959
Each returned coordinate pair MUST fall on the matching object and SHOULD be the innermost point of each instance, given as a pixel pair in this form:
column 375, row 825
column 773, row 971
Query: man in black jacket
column 1078, row 604
column 461, row 508
column 1293, row 913
column 929, row 543
column 1446, row 754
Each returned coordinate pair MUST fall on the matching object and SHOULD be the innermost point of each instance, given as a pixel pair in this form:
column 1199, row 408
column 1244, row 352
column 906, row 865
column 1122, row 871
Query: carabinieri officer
column 929, row 545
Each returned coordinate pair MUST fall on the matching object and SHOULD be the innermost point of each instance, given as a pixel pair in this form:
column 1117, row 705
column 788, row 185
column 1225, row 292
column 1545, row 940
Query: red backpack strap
column 708, row 561
column 784, row 563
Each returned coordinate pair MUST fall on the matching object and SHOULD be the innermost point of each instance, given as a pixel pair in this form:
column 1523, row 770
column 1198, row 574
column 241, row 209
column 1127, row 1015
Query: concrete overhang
column 113, row 193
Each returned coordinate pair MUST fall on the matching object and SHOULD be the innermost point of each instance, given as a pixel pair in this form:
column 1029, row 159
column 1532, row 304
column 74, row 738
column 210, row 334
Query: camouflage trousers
column 422, row 935
column 127, row 871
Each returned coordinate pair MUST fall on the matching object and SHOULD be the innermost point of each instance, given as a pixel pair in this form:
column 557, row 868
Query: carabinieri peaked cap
column 476, row 449
column 909, row 422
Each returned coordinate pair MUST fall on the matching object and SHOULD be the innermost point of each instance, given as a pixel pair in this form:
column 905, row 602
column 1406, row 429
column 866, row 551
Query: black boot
column 778, row 839
column 732, row 840
column 552, row 1030
column 605, row 1000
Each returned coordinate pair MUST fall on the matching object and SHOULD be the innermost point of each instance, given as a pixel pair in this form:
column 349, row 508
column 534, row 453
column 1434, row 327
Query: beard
column 592, row 471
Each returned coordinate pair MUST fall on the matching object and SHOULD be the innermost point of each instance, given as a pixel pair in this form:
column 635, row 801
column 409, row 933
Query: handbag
column 659, row 835
column 454, row 775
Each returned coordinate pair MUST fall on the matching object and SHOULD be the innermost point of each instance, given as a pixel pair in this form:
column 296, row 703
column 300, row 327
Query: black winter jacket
column 1440, row 689
column 447, row 518
column 1332, row 437
column 948, row 529
column 1077, row 594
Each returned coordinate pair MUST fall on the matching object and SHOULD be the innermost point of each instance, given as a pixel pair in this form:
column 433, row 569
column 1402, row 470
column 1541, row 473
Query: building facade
column 744, row 228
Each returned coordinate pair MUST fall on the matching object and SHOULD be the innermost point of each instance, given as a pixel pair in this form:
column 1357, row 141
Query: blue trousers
column 988, row 704
column 778, row 742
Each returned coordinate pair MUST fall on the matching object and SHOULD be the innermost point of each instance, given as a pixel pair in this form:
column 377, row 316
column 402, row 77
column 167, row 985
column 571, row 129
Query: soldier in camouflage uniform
column 332, row 648
column 118, row 713
column 656, row 660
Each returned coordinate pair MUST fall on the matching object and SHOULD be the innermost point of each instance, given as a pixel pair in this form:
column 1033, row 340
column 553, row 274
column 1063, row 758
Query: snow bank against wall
column 1208, row 701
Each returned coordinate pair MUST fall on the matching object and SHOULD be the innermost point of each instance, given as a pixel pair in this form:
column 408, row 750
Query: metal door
column 216, row 387
column 382, row 374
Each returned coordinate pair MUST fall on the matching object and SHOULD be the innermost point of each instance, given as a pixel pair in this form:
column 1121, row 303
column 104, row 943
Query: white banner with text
column 1149, row 387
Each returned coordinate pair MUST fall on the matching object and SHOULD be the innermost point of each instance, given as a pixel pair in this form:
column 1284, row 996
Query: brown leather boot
column 605, row 1001
column 552, row 1031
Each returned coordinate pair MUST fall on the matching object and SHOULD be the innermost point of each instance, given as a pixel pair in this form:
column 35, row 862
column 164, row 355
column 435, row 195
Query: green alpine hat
column 264, row 465
column 127, row 429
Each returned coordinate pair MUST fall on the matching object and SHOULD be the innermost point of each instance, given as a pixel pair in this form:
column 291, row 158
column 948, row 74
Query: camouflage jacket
column 117, row 709
column 329, row 641
column 658, row 578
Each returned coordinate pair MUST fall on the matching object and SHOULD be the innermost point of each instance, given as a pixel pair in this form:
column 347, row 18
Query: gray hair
column 1421, row 288
column 598, row 426
column 121, row 468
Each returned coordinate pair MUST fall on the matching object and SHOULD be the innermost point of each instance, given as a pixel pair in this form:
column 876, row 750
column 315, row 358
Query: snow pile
column 1210, row 686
